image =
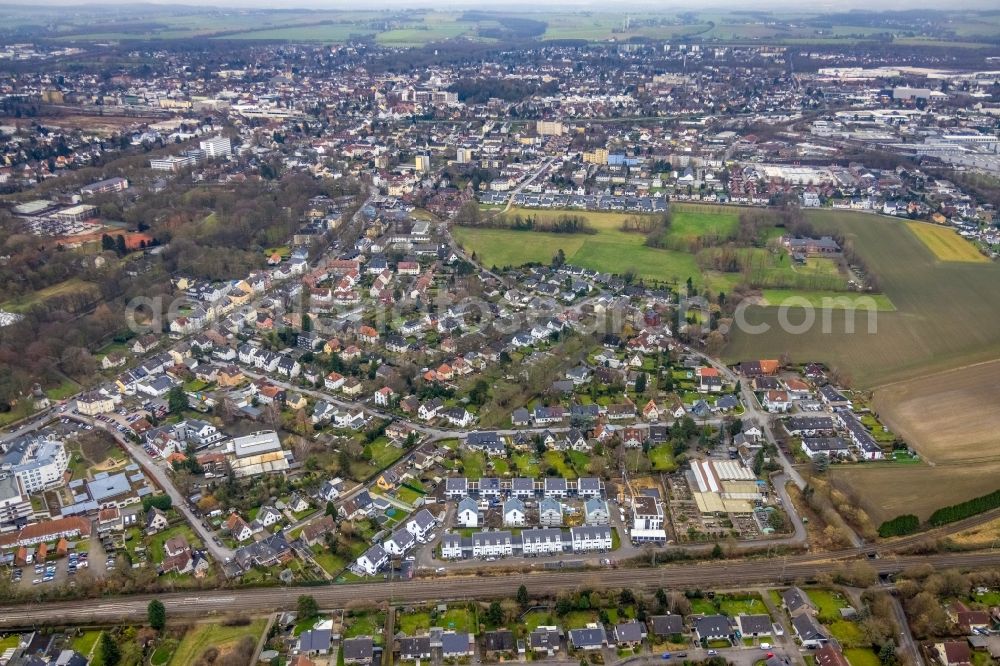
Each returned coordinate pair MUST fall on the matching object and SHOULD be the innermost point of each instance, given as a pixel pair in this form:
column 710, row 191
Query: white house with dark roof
column 492, row 544
column 593, row 637
column 522, row 487
column 595, row 512
column 399, row 542
column 550, row 512
column 591, row 538
column 514, row 513
column 542, row 541
column 372, row 560
column 456, row 487
column 451, row 547
column 555, row 487
column 468, row 513
column 421, row 524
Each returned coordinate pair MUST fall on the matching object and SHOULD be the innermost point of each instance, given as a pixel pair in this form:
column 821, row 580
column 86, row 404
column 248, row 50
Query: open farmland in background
column 946, row 313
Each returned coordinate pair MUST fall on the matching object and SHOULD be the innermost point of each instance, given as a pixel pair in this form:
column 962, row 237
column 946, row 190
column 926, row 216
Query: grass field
column 832, row 300
column 610, row 250
column 66, row 288
column 690, row 222
column 946, row 313
column 945, row 243
column 204, row 636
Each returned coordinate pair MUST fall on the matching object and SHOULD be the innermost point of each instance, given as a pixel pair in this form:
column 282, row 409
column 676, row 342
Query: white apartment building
column 542, row 541
column 492, row 544
column 590, row 538
column 217, row 146
column 37, row 464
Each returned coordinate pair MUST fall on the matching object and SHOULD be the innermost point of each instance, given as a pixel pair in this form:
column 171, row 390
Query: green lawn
column 66, row 288
column 163, row 652
column 332, row 564
column 848, row 633
column 690, row 222
column 828, row 602
column 579, row 619
column 743, row 605
column 861, row 657
column 473, row 463
column 536, row 619
column 366, row 624
column 826, row 300
column 603, row 251
column 204, row 636
column 62, row 391
column 413, row 624
column 458, row 619
column 947, row 314
column 556, row 460
column 662, row 458
column 154, row 546
column 13, row 640
column 526, row 464
column 382, row 454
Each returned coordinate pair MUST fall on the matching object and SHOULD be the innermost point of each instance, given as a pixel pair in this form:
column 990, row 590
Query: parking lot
column 63, row 570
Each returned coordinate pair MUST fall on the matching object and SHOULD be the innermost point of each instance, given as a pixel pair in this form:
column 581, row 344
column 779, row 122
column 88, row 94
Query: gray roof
column 455, row 643
column 588, row 483
column 555, row 483
column 710, row 626
column 522, row 484
column 806, row 627
column 315, row 640
column 491, row 538
column 489, row 483
column 358, row 649
column 542, row 534
column 794, row 599
column 629, row 632
column 414, row 645
column 666, row 625
column 588, row 637
column 544, row 639
column 108, row 487
column 549, row 504
column 755, row 624
column 424, row 519
column 590, row 532
column 512, row 504
column 456, row 484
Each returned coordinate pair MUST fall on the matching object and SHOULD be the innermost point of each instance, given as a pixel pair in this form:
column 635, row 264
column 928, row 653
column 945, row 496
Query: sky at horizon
column 529, row 5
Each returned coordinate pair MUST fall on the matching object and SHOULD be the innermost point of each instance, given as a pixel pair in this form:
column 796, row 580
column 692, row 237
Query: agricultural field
column 946, row 313
column 205, row 636
column 886, row 491
column 947, row 417
column 945, row 243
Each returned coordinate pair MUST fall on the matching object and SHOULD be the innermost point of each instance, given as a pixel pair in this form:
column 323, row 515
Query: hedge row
column 899, row 526
column 950, row 514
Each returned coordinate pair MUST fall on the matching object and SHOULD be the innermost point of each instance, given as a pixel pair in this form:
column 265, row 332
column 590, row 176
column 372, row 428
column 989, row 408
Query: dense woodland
column 209, row 232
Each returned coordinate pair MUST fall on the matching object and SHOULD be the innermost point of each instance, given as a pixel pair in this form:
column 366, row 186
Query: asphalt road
column 162, row 479
column 718, row 575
